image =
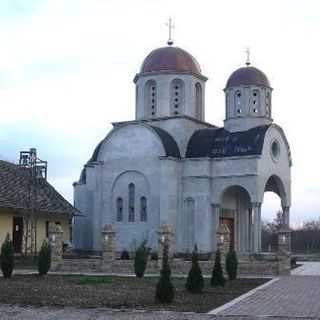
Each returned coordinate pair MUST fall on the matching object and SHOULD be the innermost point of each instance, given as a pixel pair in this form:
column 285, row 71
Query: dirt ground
column 114, row 292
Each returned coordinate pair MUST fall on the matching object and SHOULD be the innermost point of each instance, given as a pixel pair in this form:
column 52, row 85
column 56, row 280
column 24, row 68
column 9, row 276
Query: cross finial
column 248, row 57
column 170, row 27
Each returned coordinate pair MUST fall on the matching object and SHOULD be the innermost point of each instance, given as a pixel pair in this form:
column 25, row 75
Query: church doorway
column 229, row 222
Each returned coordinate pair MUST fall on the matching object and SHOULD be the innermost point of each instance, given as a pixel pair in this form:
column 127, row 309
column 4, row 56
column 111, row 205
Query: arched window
column 131, row 202
column 238, row 103
column 177, row 96
column 119, row 209
column 199, row 101
column 255, row 102
column 143, row 209
column 268, row 104
column 150, row 98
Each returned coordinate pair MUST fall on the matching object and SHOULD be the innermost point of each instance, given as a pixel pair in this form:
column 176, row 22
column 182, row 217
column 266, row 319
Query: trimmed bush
column 217, row 278
column 140, row 259
column 195, row 282
column 124, row 255
column 232, row 264
column 7, row 257
column 165, row 290
column 44, row 258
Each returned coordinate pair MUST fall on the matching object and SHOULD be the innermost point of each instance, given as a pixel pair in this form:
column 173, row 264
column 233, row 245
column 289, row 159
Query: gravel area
column 114, row 292
column 50, row 313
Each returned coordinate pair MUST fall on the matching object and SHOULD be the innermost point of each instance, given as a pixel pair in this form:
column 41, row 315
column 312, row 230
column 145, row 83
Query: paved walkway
column 296, row 296
column 307, row 269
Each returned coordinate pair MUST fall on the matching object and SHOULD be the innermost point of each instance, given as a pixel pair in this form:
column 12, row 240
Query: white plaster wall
column 131, row 153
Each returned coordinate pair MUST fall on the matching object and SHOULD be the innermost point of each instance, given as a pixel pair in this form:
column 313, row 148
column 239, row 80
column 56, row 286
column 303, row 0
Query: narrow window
column 131, row 202
column 177, row 96
column 150, row 98
column 237, row 102
column 119, row 209
column 255, row 101
column 268, row 104
column 143, row 209
column 198, row 101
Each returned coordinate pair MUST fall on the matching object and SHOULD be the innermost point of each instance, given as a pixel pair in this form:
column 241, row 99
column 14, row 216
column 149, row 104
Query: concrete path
column 290, row 297
column 307, row 269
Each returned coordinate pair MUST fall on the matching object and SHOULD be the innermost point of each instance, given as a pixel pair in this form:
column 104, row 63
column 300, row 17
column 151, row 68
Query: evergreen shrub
column 195, row 282
column 232, row 264
column 165, row 290
column 217, row 278
column 7, row 257
column 141, row 259
column 44, row 258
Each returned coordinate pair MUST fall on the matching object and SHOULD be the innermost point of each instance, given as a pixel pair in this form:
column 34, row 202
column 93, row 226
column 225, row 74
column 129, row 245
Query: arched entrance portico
column 235, row 212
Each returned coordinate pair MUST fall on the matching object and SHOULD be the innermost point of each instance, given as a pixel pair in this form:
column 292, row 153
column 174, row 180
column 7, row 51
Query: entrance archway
column 236, row 214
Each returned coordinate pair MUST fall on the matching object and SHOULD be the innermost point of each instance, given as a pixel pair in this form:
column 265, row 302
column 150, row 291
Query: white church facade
column 169, row 166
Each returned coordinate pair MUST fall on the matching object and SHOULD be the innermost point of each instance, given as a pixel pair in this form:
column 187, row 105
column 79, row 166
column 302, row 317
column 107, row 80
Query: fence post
column 56, row 244
column 108, row 246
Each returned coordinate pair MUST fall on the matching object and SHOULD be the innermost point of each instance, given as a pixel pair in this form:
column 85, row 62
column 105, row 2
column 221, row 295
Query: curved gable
column 169, row 144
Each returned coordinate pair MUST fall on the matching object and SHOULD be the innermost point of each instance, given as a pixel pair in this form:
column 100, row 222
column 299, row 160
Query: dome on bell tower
column 170, row 84
column 247, row 76
column 170, row 59
column 248, row 99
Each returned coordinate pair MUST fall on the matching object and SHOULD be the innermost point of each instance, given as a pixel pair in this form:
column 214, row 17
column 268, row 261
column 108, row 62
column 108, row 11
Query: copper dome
column 247, row 76
column 170, row 59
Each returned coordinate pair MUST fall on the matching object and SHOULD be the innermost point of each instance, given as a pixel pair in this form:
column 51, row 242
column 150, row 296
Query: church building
column 170, row 166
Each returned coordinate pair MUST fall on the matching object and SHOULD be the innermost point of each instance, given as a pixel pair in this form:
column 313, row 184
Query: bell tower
column 248, row 99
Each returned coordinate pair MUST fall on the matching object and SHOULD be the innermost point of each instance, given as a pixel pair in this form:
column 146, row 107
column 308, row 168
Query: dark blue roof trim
column 219, row 143
column 169, row 144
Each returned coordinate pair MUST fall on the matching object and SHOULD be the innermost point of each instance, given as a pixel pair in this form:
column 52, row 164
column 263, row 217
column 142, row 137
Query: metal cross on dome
column 248, row 57
column 170, row 27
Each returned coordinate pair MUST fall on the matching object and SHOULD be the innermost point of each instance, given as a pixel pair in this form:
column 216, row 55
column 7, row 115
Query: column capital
column 256, row 205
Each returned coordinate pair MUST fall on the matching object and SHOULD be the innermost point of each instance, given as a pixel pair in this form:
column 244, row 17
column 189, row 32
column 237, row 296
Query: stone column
column 108, row 245
column 256, row 212
column 165, row 237
column 223, row 239
column 284, row 240
column 215, row 225
column 284, row 248
column 56, row 244
column 286, row 216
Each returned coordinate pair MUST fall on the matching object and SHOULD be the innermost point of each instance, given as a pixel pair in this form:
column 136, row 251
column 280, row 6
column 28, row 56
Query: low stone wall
column 178, row 266
column 252, row 264
column 79, row 265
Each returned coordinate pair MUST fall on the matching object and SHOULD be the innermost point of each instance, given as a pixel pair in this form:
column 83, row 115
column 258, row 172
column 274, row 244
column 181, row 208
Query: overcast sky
column 66, row 71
